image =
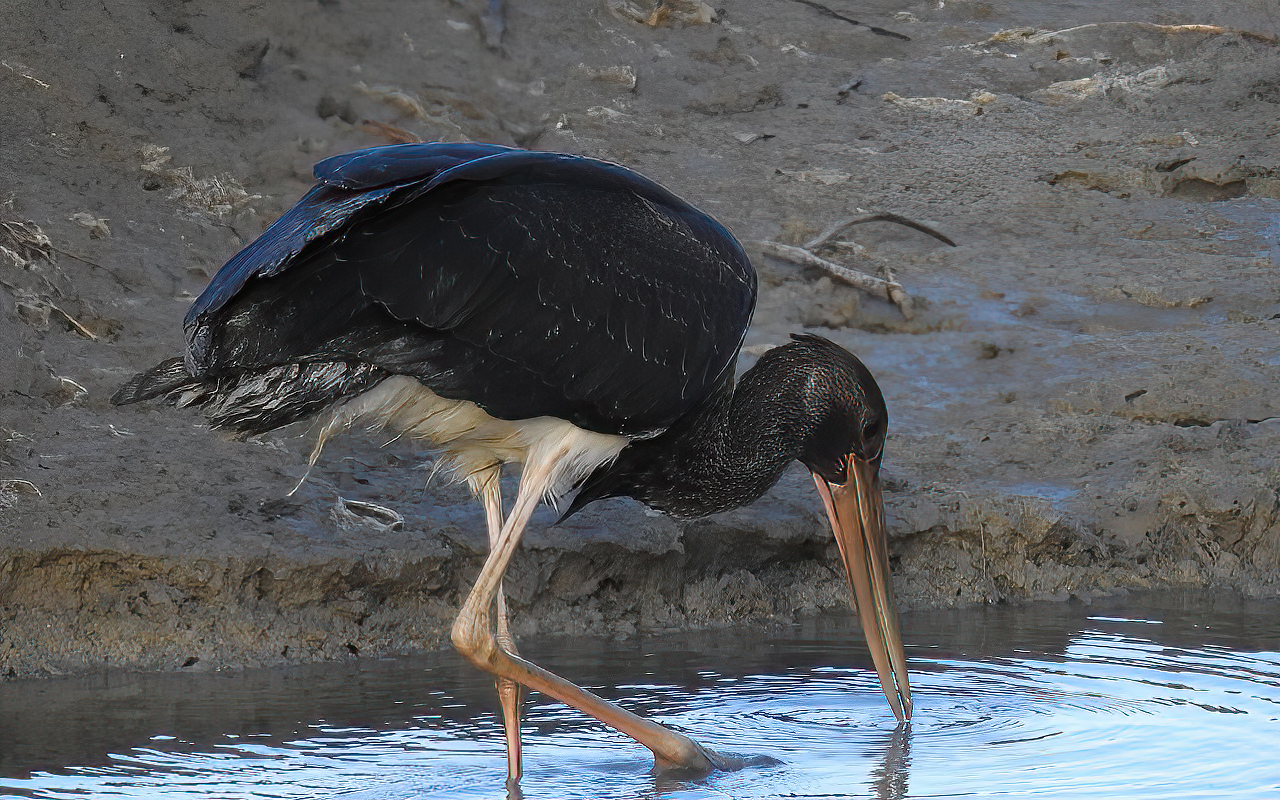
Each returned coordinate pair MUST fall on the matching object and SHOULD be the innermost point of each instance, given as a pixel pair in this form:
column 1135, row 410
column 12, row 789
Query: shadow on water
column 1050, row 699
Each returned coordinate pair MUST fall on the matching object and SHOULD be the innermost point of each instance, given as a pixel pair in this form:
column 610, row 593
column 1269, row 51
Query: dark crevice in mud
column 1200, row 189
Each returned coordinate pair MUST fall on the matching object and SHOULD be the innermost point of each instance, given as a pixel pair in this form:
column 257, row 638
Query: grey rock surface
column 1086, row 400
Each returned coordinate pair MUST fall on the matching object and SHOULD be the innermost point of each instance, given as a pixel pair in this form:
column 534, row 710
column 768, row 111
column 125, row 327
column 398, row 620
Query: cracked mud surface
column 1085, row 402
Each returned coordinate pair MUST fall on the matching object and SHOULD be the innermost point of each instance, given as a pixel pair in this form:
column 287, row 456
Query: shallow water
column 1164, row 697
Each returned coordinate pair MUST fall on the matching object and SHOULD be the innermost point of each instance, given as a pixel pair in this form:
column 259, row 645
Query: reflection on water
column 890, row 778
column 1160, row 697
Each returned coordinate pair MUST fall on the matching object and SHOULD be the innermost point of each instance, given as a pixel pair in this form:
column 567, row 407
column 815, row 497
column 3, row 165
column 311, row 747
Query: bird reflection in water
column 895, row 766
column 889, row 779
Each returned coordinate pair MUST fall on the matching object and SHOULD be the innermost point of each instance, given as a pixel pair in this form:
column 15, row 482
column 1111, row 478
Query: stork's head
column 842, row 449
column 845, row 407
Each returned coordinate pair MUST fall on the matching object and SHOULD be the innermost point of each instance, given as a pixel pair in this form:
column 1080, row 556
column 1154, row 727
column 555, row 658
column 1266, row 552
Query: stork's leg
column 473, row 636
column 510, row 694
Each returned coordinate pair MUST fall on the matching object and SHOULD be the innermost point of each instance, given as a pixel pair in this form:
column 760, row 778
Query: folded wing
column 530, row 283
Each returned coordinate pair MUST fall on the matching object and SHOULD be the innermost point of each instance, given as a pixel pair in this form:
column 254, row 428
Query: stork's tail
column 164, row 378
column 253, row 402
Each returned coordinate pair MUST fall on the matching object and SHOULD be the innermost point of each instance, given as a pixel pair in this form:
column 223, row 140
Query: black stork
column 549, row 310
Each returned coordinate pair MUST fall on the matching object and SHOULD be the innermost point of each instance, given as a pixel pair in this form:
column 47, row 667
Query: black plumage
column 533, row 284
column 557, row 311
column 529, row 283
column 808, row 400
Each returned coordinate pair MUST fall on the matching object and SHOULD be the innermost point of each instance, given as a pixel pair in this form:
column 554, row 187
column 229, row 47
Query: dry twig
column 93, row 264
column 885, row 288
column 75, row 324
column 820, row 8
column 833, row 230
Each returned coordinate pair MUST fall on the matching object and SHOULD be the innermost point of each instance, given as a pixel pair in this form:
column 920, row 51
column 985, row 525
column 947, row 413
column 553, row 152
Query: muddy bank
column 1085, row 399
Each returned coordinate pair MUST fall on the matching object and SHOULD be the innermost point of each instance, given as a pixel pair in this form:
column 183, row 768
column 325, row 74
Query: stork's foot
column 695, row 761
column 702, row 761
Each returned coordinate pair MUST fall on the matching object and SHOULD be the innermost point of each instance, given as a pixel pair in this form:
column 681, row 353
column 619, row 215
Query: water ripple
column 1107, row 707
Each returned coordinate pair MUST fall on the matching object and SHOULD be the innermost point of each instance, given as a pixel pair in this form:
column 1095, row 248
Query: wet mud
column 1084, row 400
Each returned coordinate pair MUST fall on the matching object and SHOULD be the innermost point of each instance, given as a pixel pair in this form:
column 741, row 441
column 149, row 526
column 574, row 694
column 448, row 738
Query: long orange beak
column 856, row 510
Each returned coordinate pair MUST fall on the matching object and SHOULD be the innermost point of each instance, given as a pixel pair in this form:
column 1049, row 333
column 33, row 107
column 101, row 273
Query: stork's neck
column 725, row 454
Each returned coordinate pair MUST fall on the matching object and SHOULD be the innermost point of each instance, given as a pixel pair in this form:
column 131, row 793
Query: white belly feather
column 471, row 442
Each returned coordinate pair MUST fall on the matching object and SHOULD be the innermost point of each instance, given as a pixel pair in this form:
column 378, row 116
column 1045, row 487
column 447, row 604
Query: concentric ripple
column 1173, row 697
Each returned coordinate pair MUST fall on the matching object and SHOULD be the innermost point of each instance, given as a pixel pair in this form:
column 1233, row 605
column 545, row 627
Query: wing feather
column 623, row 303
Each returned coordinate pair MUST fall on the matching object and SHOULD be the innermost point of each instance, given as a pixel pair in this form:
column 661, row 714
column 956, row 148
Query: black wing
column 530, row 283
column 346, row 184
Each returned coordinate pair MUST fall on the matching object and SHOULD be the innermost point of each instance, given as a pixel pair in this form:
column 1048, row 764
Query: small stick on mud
column 899, row 295
column 836, row 15
column 886, row 288
column 982, row 533
column 879, row 287
column 74, row 323
column 93, row 264
column 833, row 230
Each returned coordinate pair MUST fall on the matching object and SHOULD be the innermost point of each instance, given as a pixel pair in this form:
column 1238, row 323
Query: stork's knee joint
column 472, row 638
